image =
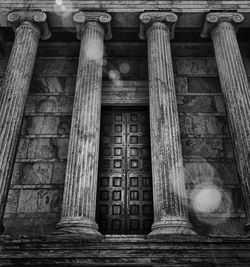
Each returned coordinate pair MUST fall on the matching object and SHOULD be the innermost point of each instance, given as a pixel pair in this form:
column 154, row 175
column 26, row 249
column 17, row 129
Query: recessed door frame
column 130, row 211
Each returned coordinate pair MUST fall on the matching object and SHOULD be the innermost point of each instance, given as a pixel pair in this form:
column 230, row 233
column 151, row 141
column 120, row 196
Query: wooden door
column 124, row 200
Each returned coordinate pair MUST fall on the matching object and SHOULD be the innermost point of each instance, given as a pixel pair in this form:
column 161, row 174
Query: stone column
column 29, row 27
column 80, row 189
column 222, row 28
column 169, row 193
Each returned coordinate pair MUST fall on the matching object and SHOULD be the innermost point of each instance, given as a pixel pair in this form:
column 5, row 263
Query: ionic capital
column 213, row 19
column 148, row 18
column 36, row 17
column 82, row 18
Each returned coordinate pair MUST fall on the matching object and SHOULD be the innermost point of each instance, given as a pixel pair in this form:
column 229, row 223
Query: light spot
column 94, row 52
column 124, row 68
column 114, row 75
column 59, row 2
column 118, row 83
column 207, row 200
column 211, row 204
column 63, row 10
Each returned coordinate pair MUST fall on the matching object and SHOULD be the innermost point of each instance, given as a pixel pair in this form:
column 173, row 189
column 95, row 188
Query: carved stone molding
column 148, row 18
column 82, row 18
column 213, row 19
column 36, row 17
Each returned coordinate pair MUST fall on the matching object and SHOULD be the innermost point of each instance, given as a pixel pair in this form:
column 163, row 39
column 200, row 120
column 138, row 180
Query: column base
column 77, row 228
column 171, row 226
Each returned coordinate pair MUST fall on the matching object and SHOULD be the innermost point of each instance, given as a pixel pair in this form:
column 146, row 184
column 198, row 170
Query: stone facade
column 41, row 159
column 197, row 92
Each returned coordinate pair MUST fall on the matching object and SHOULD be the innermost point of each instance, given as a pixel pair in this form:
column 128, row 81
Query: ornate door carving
column 124, row 201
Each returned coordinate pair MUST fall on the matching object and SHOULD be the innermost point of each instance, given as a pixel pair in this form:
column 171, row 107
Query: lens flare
column 124, row 68
column 210, row 203
column 207, row 200
column 114, row 75
column 92, row 52
column 63, row 10
column 59, row 2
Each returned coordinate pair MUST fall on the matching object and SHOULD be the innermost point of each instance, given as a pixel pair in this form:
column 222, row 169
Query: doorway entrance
column 124, row 199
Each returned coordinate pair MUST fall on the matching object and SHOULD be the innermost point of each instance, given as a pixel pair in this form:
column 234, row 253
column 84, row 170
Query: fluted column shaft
column 13, row 95
column 235, row 88
column 79, row 200
column 169, row 194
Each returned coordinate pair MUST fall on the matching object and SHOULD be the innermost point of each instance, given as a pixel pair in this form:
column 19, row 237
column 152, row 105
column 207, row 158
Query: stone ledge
column 125, row 13
column 126, row 251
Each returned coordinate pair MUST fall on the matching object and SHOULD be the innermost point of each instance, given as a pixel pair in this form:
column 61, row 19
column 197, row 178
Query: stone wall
column 35, row 196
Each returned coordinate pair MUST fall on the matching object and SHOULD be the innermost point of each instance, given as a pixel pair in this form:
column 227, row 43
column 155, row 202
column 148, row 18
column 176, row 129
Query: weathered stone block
column 238, row 201
column 203, row 147
column 228, row 226
column 218, row 225
column 218, row 173
column 59, row 173
column 204, row 85
column 31, row 225
column 43, row 200
column 28, row 201
column 47, row 85
column 17, row 173
column 70, row 85
column 186, row 124
column 37, row 173
column 61, row 145
column 198, row 172
column 40, row 125
column 42, row 148
column 196, row 66
column 64, row 125
column 217, row 125
column 194, row 104
column 228, row 148
column 210, row 125
column 65, row 103
column 55, row 66
column 227, row 171
column 49, row 104
column 12, row 202
column 203, row 125
column 220, row 104
column 181, row 85
column 22, row 148
column 46, row 104
column 199, row 125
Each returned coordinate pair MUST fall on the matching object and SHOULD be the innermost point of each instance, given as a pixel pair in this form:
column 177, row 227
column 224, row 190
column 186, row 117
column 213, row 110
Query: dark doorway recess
column 124, row 200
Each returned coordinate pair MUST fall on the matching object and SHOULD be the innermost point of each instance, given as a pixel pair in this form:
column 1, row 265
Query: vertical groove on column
column 236, row 92
column 170, row 207
column 13, row 96
column 78, row 214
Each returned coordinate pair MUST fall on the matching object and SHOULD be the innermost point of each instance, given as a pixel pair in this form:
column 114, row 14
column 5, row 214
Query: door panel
column 124, row 203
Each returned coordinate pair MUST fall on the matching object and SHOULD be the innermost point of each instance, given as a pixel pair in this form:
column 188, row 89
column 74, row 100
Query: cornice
column 125, row 14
